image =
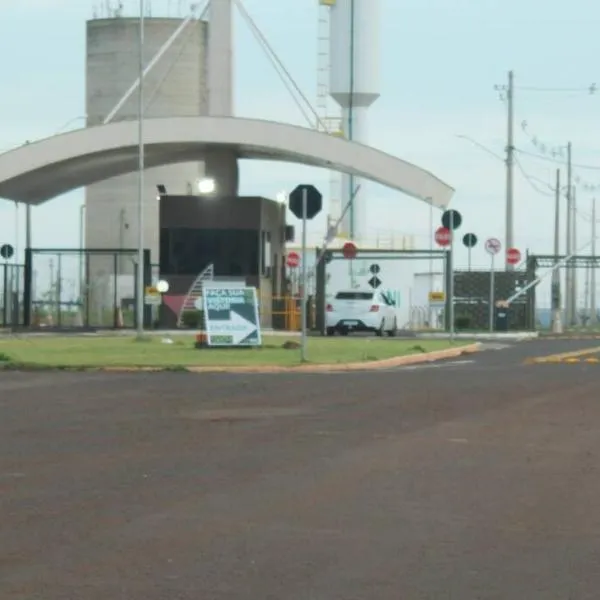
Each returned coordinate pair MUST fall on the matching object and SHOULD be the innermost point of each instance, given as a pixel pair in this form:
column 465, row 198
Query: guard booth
column 229, row 237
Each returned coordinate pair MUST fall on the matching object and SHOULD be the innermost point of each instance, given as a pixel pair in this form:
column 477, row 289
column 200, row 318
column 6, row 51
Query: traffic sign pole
column 469, row 240
column 5, row 291
column 305, row 202
column 451, row 220
column 451, row 266
column 492, row 290
column 492, row 247
column 304, row 277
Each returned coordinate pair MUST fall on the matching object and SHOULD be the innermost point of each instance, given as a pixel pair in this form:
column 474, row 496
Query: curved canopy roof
column 49, row 167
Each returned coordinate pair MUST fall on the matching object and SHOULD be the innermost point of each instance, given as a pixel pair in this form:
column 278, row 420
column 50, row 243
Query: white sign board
column 492, row 246
column 231, row 316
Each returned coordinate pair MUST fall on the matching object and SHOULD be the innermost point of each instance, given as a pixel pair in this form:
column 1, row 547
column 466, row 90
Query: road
column 460, row 480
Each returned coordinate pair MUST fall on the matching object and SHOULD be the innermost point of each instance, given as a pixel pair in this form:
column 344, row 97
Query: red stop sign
column 443, row 237
column 292, row 260
column 513, row 256
column 349, row 250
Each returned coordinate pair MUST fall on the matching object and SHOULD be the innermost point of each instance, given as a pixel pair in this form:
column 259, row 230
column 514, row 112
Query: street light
column 207, row 186
column 140, row 304
column 162, row 286
column 162, row 191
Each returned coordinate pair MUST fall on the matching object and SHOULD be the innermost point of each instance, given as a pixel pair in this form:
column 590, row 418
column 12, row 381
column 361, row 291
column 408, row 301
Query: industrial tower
column 330, row 115
column 353, row 68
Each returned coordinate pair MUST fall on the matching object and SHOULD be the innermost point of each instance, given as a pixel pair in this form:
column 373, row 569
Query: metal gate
column 11, row 294
column 374, row 259
column 69, row 288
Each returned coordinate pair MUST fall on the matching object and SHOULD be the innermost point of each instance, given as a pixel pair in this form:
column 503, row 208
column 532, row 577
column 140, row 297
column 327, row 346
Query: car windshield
column 354, row 295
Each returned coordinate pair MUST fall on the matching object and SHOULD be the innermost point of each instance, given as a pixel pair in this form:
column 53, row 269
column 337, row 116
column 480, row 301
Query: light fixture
column 206, row 185
column 281, row 197
column 162, row 191
column 162, row 287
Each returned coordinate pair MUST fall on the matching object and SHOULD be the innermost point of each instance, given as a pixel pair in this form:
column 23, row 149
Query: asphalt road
column 459, row 480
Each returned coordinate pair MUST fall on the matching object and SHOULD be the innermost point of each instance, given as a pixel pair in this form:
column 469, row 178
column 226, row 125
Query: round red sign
column 513, row 256
column 349, row 250
column 443, row 236
column 292, row 260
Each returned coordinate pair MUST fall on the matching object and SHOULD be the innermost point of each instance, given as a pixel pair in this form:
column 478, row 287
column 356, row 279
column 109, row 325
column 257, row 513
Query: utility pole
column 556, row 316
column 569, row 245
column 510, row 147
column 593, row 313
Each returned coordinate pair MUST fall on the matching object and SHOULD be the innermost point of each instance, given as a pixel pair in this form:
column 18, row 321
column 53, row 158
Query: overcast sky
column 440, row 61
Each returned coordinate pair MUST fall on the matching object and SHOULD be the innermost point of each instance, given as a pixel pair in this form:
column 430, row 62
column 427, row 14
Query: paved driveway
column 464, row 480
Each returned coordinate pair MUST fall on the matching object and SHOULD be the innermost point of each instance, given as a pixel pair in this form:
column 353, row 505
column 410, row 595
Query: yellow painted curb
column 564, row 357
column 566, row 361
column 387, row 363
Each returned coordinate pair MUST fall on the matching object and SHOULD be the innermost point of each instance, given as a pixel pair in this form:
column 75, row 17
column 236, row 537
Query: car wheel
column 344, row 331
column 331, row 331
column 379, row 332
column 392, row 332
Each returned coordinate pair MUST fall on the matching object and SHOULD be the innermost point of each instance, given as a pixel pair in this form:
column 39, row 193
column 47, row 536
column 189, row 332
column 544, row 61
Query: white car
column 361, row 310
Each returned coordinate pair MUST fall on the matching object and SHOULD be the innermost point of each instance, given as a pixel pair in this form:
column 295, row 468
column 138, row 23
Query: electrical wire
column 590, row 89
column 282, row 69
column 481, row 146
column 556, row 160
column 558, row 157
column 531, row 180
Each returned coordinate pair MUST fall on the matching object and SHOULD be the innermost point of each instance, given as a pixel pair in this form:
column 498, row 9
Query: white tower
column 354, row 85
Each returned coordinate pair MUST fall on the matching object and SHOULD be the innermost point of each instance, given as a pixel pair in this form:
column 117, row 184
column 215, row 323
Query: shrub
column 193, row 319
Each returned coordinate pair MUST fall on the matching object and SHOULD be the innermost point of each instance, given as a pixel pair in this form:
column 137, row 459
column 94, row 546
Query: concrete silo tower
column 354, row 85
column 176, row 86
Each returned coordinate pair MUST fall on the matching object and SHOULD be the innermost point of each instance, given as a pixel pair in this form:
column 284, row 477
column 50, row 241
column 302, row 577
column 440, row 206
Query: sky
column 440, row 62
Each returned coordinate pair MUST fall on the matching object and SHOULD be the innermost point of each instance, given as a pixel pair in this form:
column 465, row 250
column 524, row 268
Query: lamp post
column 140, row 201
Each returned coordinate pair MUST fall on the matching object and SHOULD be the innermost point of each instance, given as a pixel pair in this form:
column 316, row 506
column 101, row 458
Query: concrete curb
column 582, row 337
column 565, row 357
column 397, row 361
column 510, row 336
column 387, row 363
column 563, row 361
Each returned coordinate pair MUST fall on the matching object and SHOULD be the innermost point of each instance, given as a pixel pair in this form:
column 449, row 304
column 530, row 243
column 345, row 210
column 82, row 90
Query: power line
column 481, row 146
column 590, row 89
column 555, row 160
column 557, row 155
column 531, row 179
column 502, row 90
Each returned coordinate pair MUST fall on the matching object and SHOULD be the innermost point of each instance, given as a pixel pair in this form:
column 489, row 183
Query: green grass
column 86, row 352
